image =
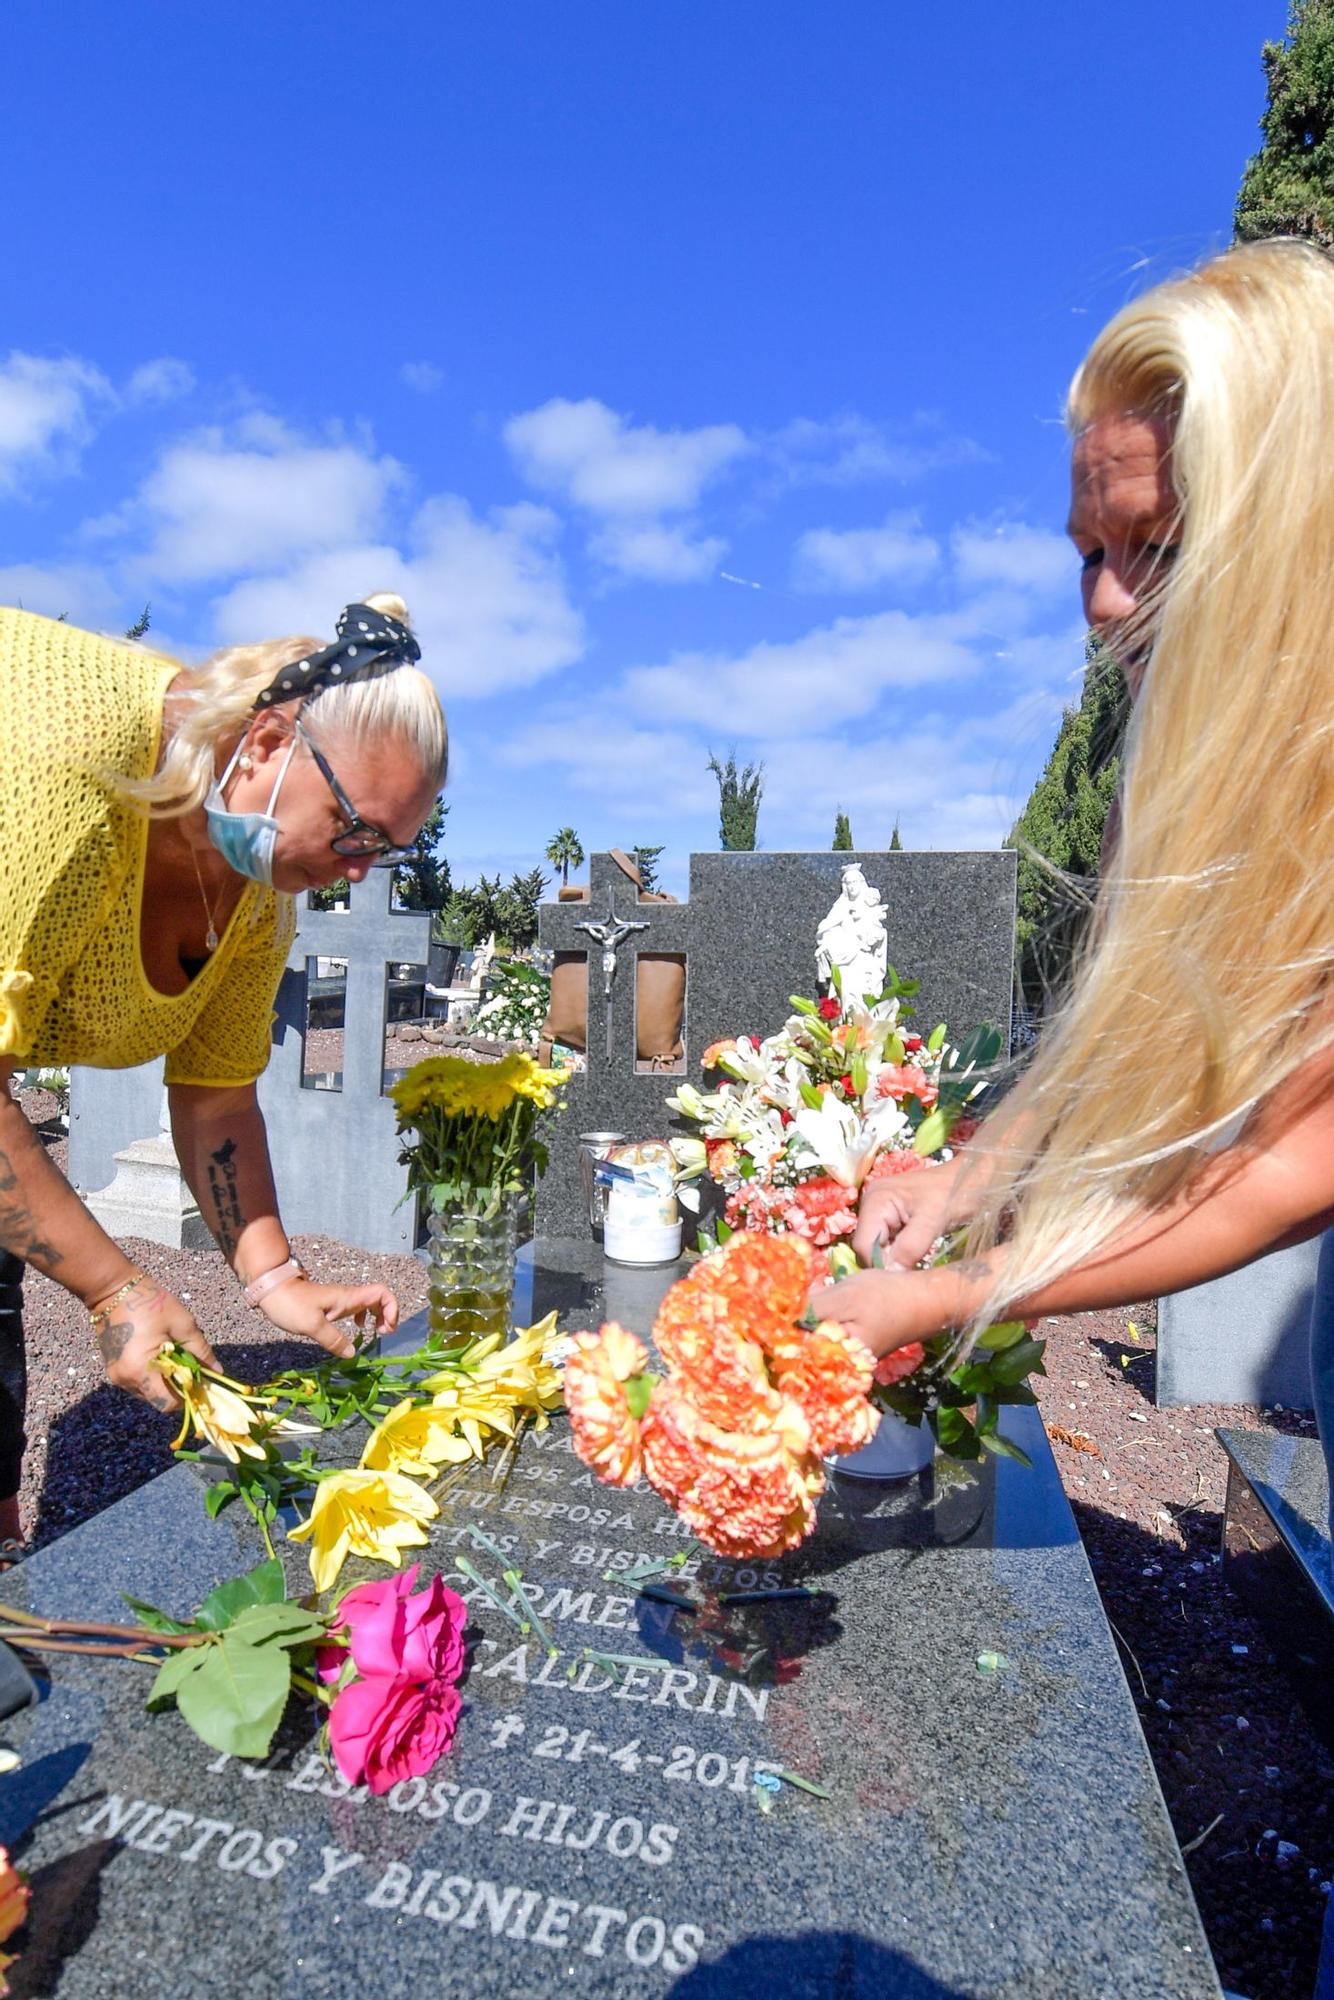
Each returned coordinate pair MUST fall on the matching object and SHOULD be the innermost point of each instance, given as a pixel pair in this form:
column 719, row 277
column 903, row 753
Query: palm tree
column 565, row 851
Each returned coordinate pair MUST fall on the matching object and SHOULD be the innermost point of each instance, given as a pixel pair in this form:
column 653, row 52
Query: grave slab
column 1278, row 1557
column 987, row 1835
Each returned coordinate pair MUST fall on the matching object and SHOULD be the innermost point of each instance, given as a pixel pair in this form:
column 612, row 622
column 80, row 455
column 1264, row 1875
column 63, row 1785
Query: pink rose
column 329, row 1663
column 399, row 1633
column 383, row 1730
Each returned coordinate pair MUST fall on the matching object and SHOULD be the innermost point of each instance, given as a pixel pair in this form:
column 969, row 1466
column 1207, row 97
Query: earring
column 246, row 762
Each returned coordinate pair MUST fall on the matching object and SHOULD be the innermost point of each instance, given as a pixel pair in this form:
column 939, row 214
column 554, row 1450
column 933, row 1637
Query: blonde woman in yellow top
column 157, row 821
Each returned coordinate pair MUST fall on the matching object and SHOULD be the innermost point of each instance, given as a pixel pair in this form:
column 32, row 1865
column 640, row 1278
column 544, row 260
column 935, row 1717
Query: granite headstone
column 747, row 933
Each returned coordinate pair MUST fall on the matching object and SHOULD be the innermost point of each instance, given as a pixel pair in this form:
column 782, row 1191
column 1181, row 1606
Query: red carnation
column 830, row 1008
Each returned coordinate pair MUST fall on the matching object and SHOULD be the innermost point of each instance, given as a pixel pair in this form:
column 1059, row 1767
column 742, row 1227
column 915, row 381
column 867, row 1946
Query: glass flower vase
column 473, row 1245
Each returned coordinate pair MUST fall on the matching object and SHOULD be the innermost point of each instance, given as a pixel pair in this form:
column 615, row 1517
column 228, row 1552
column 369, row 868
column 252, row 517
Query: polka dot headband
column 369, row 642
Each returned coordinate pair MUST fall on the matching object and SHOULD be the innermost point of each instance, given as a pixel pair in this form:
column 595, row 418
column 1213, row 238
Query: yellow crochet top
column 72, row 983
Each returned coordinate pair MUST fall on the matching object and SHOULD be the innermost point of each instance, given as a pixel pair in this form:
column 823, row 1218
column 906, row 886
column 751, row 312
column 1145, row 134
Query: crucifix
column 609, row 934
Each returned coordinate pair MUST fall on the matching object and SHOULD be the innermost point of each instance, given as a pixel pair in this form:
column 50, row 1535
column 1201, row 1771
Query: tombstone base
column 149, row 1199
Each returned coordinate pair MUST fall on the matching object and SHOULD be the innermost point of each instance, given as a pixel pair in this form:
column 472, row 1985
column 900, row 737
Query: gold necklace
column 210, row 916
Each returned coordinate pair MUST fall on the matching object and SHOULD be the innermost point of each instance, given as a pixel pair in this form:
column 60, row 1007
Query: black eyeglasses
column 359, row 836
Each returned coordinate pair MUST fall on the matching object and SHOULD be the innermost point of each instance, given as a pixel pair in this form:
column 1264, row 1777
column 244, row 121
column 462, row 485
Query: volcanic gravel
column 1246, row 1780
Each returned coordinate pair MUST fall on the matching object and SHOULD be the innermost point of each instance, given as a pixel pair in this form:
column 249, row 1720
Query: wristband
column 260, row 1289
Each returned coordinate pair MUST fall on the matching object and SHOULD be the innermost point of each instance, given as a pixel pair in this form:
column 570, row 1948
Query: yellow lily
column 518, row 1370
column 363, row 1513
column 415, row 1438
column 214, row 1411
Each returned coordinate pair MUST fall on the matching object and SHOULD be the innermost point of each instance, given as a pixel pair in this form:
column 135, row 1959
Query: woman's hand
column 132, row 1334
column 906, row 1213
column 883, row 1309
column 301, row 1306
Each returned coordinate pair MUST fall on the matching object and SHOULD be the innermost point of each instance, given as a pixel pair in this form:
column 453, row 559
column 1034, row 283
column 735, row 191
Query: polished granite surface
column 992, row 1826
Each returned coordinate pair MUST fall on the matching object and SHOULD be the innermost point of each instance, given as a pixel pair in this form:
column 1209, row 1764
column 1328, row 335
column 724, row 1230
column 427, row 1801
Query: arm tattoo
column 228, row 1220
column 18, row 1227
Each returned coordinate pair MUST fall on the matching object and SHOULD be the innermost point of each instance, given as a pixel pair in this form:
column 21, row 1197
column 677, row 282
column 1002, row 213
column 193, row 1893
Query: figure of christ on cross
column 609, row 934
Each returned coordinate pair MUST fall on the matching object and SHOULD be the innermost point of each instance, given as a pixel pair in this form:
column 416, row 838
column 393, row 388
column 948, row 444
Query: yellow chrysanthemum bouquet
column 472, row 1150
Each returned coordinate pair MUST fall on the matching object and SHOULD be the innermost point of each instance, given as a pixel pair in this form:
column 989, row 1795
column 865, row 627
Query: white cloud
column 221, row 503
column 603, row 462
column 423, row 376
column 656, row 552
column 47, row 410
column 862, row 558
column 487, row 597
column 85, row 595
column 783, row 686
column 164, row 380
column 850, row 450
column 630, row 768
column 1035, row 559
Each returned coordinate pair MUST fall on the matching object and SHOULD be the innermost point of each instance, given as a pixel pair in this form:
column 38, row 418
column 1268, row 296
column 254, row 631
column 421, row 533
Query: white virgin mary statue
column 853, row 938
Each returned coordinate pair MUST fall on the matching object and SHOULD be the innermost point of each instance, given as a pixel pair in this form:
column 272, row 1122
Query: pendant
column 211, row 940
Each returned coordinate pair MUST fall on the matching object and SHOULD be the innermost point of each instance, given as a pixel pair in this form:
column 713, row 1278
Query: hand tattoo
column 113, row 1337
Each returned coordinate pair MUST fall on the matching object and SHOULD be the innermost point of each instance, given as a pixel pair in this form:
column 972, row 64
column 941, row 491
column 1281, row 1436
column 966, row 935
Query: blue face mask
column 245, row 840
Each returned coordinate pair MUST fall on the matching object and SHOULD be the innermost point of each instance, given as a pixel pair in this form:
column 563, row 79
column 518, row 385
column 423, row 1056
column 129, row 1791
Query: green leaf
column 980, row 1049
column 173, row 1673
column 745, row 1168
column 725, row 1233
column 932, row 1133
column 638, row 1391
column 290, row 1624
column 149, row 1615
column 1018, row 1361
column 1004, row 1334
column 217, row 1497
column 1000, row 1447
column 263, row 1585
column 235, row 1700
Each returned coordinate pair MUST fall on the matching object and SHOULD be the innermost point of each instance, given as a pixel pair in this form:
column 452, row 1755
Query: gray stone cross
column 371, row 937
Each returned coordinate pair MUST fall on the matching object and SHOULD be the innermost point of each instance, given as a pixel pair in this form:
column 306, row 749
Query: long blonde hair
column 1201, row 986
column 401, row 706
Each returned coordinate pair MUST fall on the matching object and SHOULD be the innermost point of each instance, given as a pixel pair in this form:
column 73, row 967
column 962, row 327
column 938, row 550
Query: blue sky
column 693, row 369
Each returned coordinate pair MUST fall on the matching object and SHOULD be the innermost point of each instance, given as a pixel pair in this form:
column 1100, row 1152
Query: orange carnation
column 742, row 1496
column 606, row 1432
column 829, row 1373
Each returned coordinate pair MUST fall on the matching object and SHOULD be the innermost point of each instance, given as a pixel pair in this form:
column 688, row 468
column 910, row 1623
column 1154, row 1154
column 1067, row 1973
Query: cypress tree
column 739, row 794
column 1288, row 186
column 1064, row 822
column 842, row 832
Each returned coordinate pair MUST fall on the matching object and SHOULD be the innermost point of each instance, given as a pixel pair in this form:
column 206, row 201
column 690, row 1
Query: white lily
column 688, row 1102
column 845, row 1145
column 689, row 1156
